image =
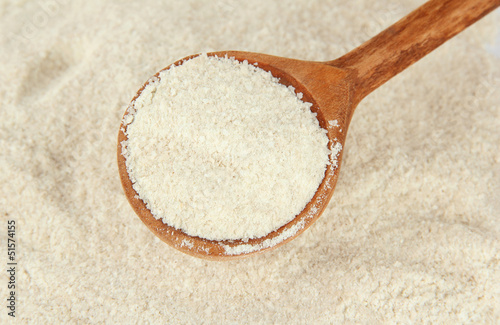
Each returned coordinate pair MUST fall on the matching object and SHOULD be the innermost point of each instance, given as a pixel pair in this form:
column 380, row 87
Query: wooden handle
column 408, row 40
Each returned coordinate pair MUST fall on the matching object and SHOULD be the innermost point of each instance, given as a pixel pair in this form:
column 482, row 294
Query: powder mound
column 221, row 150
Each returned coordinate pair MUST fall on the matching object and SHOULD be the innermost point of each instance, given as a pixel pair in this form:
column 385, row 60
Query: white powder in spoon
column 221, row 150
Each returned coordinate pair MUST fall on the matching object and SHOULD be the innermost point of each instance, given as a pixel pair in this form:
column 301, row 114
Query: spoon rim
column 234, row 249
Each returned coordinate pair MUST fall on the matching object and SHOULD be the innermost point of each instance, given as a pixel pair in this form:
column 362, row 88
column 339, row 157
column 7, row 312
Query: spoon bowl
column 332, row 116
column 334, row 88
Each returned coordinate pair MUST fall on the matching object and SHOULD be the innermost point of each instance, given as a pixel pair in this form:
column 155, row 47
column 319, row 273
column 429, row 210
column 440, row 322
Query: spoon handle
column 407, row 41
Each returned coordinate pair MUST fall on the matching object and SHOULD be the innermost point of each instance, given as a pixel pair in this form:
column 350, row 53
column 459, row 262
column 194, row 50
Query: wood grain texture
column 410, row 39
column 335, row 88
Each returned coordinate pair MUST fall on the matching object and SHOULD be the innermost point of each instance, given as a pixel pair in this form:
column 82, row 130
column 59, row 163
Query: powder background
column 412, row 231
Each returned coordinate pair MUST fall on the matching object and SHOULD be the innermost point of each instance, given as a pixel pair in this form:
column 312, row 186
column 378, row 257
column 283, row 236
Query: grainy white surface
column 412, row 232
column 221, row 150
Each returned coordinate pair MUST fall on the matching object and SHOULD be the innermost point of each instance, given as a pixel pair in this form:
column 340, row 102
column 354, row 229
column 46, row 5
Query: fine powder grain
column 411, row 235
column 221, row 150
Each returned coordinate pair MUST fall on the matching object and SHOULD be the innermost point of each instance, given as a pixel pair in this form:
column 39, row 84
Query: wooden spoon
column 335, row 88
